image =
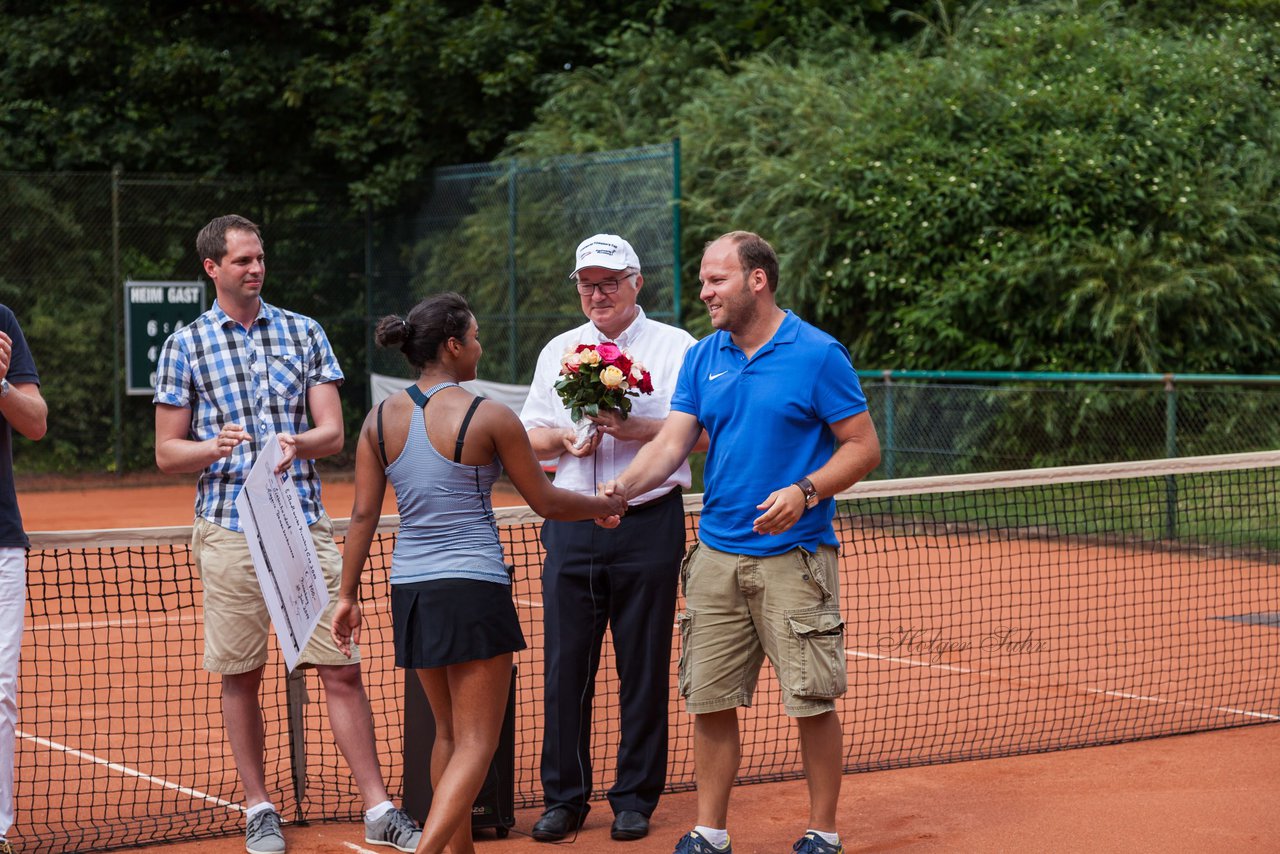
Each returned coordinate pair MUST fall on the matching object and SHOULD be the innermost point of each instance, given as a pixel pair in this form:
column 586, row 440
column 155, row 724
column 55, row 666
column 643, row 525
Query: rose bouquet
column 599, row 377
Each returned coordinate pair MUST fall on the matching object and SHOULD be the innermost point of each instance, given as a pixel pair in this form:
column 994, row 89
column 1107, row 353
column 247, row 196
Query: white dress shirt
column 660, row 348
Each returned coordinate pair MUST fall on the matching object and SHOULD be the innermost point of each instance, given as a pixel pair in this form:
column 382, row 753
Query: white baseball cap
column 605, row 250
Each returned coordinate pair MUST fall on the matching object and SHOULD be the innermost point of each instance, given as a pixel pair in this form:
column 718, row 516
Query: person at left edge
column 238, row 373
column 22, row 409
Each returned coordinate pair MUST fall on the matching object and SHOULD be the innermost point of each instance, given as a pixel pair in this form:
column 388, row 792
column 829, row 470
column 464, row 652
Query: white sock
column 257, row 808
column 829, row 838
column 377, row 811
column 718, row 837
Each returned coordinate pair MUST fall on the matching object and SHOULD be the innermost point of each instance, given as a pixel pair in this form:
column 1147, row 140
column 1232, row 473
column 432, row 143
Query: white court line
column 111, row 624
column 1227, row 709
column 909, row 661
column 358, row 849
column 123, row 769
column 854, row 653
column 376, row 606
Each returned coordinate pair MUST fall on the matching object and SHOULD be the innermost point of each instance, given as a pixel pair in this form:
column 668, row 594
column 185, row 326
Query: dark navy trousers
column 625, row 578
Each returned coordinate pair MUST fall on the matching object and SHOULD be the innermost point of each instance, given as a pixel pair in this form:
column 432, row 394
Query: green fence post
column 675, row 231
column 512, row 222
column 368, row 297
column 117, row 290
column 888, row 424
column 1170, row 450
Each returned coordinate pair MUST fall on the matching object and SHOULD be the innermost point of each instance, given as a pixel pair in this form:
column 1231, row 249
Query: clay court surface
column 1212, row 791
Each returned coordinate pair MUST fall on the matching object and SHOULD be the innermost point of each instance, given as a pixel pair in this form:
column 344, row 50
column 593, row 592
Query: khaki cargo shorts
column 741, row 608
column 236, row 620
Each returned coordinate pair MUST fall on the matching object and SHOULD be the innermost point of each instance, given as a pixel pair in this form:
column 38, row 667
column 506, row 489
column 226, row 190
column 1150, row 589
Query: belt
column 674, row 494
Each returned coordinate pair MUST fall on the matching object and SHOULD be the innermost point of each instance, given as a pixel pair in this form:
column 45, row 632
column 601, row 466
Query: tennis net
column 986, row 615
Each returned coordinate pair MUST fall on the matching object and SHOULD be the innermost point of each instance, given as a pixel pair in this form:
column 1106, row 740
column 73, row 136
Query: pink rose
column 609, row 353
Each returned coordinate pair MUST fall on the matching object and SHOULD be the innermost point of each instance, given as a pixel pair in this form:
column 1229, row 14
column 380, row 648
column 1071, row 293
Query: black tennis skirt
column 438, row 623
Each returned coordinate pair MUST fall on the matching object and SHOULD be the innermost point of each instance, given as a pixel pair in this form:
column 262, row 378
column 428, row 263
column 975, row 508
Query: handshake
column 615, row 496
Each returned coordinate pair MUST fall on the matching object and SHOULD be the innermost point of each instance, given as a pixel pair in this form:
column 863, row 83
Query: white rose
column 612, row 376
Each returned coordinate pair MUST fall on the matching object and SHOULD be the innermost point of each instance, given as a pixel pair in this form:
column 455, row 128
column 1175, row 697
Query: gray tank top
column 447, row 527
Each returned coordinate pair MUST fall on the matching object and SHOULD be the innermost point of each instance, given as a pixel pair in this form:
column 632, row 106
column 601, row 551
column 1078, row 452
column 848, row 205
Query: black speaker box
column 494, row 807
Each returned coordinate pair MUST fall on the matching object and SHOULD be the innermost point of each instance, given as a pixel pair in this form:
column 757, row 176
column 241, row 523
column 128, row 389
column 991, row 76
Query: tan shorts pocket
column 814, row 568
column 814, row 662
column 684, row 568
column 685, row 668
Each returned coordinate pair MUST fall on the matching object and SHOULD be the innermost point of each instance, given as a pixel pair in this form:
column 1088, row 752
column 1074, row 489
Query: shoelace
column 401, row 826
column 266, row 817
column 698, row 845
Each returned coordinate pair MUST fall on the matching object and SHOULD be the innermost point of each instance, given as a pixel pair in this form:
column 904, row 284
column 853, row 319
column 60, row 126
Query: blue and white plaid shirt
column 257, row 378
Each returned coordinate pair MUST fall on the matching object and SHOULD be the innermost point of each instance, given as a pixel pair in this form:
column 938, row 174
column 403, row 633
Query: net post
column 296, row 701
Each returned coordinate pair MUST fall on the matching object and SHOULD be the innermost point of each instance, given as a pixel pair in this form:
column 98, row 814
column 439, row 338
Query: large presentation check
column 284, row 555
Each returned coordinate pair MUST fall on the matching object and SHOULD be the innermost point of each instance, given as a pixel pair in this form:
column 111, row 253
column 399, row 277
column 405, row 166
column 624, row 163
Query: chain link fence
column 503, row 234
column 76, row 238
column 995, row 422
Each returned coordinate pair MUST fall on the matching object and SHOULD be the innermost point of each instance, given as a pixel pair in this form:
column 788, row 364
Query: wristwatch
column 810, row 492
column 4, row 388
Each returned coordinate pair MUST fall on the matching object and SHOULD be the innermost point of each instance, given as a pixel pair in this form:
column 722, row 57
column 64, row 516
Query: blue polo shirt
column 767, row 419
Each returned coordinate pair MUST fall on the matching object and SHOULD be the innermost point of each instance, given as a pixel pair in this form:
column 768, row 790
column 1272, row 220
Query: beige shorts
column 741, row 608
column 236, row 620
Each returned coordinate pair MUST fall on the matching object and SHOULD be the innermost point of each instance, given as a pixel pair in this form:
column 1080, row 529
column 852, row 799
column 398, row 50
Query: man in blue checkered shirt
column 240, row 373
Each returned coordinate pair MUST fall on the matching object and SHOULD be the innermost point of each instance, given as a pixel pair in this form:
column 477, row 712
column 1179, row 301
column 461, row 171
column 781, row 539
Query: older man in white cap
column 623, row 577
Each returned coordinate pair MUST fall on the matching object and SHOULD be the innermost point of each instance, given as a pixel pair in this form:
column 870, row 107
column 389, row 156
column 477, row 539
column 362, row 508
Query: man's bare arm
column 658, row 459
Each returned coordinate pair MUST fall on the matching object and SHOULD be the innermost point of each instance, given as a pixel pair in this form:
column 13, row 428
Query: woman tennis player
column 442, row 448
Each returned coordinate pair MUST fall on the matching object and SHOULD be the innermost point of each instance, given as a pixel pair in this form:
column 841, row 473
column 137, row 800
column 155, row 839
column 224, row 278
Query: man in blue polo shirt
column 789, row 429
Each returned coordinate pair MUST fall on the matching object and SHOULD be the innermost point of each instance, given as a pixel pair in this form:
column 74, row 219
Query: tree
column 1046, row 189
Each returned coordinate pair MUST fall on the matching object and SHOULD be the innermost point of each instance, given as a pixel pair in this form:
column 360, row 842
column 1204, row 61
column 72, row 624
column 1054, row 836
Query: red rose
column 646, row 383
